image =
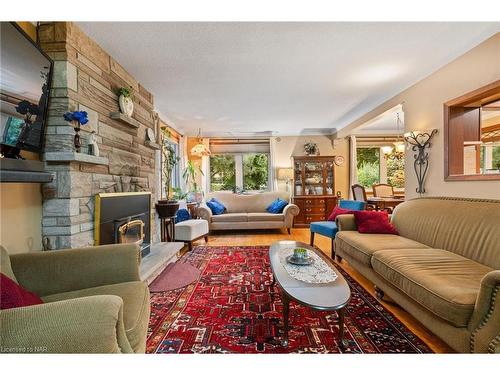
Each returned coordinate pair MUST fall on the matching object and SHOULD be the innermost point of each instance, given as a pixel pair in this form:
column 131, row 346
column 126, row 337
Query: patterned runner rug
column 233, row 309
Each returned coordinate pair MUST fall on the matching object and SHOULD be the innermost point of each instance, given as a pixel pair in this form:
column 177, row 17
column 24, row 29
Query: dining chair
column 383, row 190
column 359, row 194
column 329, row 228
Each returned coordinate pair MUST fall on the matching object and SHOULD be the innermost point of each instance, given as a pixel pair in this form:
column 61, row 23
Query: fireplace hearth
column 123, row 218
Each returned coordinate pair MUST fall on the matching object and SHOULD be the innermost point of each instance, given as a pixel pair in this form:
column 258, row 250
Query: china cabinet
column 313, row 188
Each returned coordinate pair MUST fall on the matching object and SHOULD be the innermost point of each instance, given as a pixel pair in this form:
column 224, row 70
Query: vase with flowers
column 77, row 118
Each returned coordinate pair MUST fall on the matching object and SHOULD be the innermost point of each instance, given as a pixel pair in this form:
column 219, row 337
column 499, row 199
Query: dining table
column 383, row 203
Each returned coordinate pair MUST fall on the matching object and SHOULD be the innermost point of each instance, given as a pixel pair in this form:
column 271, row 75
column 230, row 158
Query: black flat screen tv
column 25, row 78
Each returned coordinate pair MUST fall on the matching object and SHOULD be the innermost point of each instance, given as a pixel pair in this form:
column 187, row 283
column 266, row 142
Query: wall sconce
column 420, row 141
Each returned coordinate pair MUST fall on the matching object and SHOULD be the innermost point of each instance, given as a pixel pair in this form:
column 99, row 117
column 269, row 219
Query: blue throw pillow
column 277, row 206
column 182, row 215
column 215, row 206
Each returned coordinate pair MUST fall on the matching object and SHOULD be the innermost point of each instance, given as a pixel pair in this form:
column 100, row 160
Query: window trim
column 238, row 164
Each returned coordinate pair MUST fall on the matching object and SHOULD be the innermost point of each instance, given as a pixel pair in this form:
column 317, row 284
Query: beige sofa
column 248, row 211
column 94, row 301
column 443, row 268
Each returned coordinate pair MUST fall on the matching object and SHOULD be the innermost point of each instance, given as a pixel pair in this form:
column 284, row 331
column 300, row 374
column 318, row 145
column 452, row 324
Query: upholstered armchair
column 94, row 301
column 329, row 228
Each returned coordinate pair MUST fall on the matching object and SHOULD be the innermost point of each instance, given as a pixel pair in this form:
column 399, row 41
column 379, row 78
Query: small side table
column 167, row 225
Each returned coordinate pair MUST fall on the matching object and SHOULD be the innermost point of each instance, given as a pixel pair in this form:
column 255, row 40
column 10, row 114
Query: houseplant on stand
column 189, row 175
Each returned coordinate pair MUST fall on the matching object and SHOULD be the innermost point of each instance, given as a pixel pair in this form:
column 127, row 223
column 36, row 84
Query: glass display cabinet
column 313, row 188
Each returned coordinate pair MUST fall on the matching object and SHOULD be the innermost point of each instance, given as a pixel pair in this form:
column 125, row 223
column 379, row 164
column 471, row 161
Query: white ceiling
column 384, row 124
column 246, row 78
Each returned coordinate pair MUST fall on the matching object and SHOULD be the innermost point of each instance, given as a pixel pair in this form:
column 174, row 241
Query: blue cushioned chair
column 329, row 228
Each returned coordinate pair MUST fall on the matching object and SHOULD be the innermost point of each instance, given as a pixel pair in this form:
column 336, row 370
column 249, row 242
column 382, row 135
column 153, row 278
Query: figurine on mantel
column 92, row 144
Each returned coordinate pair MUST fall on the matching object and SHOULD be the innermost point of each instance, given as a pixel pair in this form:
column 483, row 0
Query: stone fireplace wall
column 85, row 78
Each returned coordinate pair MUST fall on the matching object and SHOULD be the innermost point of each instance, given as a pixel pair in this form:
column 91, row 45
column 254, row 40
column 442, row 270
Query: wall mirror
column 472, row 135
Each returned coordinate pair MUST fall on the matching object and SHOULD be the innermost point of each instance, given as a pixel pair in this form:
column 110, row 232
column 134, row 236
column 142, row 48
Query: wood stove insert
column 123, row 218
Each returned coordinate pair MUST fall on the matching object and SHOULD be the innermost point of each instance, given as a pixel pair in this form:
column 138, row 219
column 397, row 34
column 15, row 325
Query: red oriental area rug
column 233, row 308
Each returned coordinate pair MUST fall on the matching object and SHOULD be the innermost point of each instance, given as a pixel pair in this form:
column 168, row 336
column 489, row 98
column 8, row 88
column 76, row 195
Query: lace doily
column 318, row 272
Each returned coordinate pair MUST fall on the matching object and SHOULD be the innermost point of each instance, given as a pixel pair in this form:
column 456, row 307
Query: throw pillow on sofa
column 13, row 295
column 277, row 206
column 216, row 207
column 339, row 211
column 374, row 222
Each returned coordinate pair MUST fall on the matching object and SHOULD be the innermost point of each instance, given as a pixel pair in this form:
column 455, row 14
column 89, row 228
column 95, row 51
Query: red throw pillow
column 12, row 295
column 339, row 211
column 375, row 222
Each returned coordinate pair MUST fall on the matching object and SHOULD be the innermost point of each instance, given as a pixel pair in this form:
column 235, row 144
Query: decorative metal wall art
column 420, row 142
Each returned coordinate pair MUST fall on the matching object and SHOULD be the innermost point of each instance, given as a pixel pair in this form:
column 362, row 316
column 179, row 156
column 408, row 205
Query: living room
column 250, row 187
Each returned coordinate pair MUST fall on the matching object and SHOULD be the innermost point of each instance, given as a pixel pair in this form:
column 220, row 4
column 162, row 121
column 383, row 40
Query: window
column 249, row 171
column 396, row 172
column 222, row 172
column 255, row 171
column 374, row 168
column 490, row 158
column 368, row 159
column 175, row 172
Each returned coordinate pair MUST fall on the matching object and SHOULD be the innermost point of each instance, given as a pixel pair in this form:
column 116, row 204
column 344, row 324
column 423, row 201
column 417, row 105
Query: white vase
column 126, row 105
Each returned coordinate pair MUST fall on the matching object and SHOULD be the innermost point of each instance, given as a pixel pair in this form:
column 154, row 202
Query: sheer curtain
column 353, row 162
column 272, row 165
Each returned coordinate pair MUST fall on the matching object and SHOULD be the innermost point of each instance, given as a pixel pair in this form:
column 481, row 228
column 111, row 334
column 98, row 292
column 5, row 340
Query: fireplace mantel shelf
column 68, row 157
column 127, row 120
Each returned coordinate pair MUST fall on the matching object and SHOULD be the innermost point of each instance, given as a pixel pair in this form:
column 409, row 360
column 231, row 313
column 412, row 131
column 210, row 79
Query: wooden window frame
column 472, row 100
column 239, row 173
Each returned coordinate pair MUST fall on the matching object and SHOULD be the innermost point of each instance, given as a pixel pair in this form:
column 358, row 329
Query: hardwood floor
column 266, row 237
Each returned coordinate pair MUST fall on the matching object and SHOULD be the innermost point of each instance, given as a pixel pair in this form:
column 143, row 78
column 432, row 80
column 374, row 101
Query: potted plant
column 169, row 206
column 179, row 194
column 189, row 175
column 125, row 100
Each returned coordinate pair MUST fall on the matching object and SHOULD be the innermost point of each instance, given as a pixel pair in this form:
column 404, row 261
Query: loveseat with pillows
column 443, row 266
column 248, row 211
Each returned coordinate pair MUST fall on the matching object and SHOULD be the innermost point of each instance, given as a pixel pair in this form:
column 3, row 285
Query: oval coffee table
column 332, row 296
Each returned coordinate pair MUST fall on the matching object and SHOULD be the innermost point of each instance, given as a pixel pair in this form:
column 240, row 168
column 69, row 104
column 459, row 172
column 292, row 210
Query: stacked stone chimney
column 86, row 78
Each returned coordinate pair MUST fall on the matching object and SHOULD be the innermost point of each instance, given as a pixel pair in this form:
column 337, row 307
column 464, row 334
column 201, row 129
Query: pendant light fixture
column 200, row 149
column 398, row 151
